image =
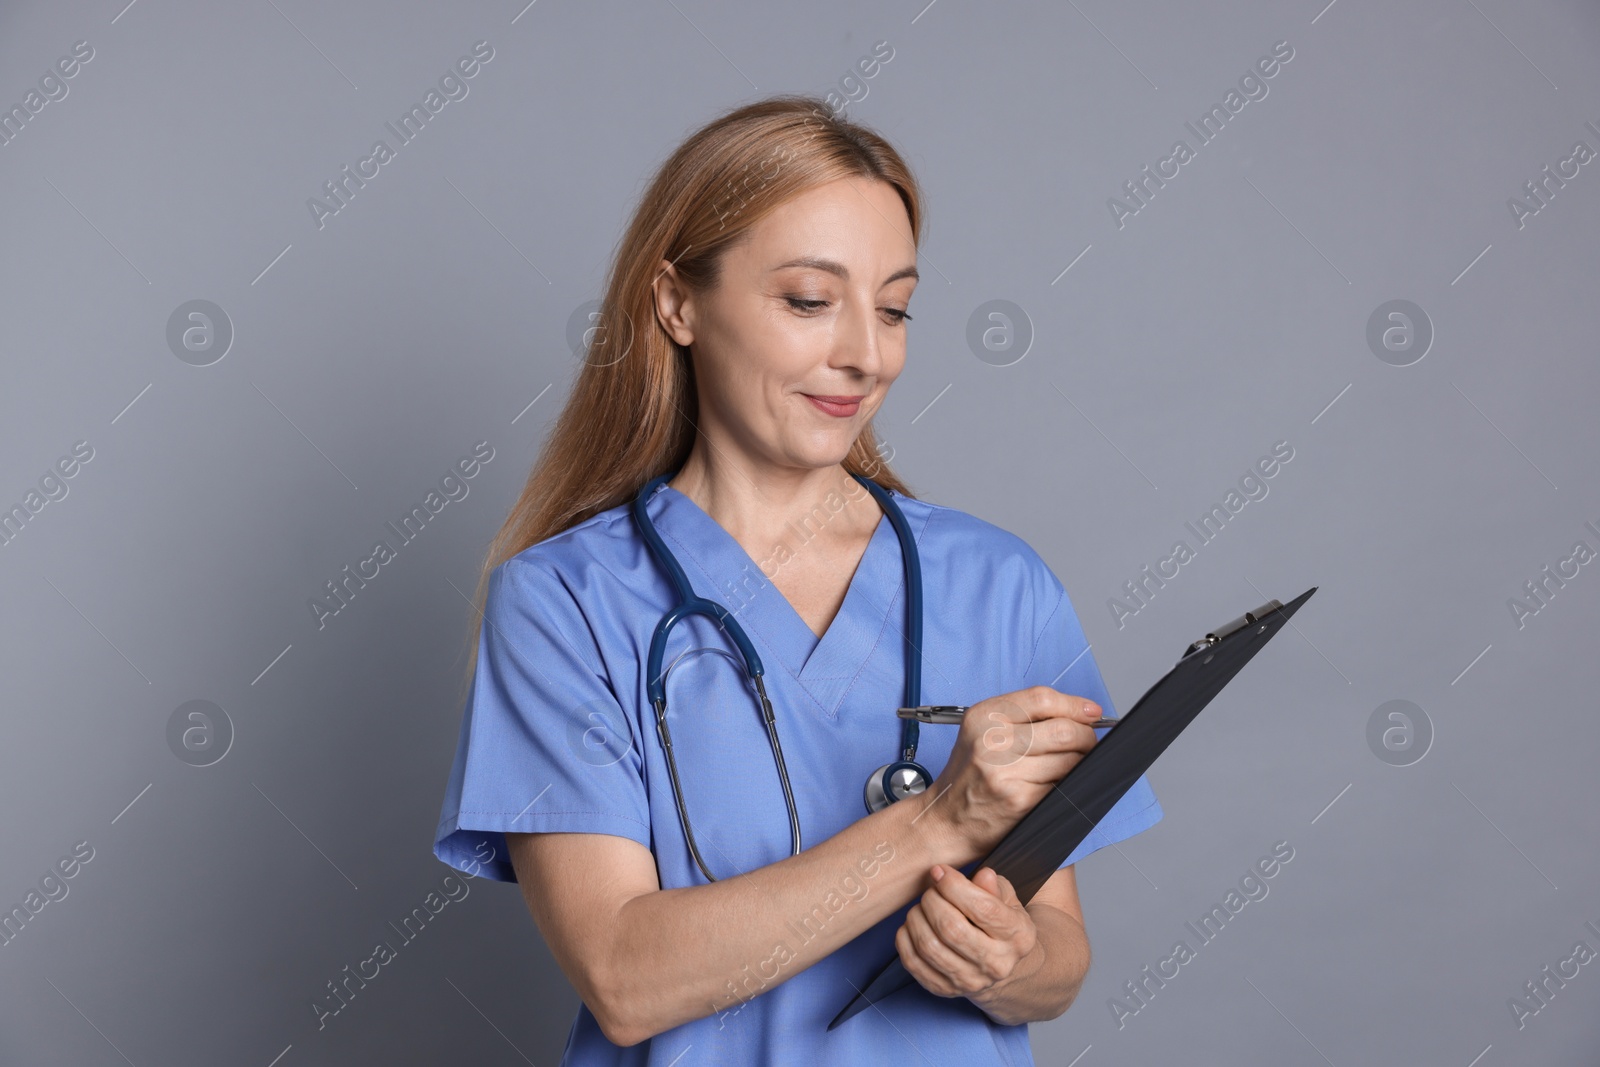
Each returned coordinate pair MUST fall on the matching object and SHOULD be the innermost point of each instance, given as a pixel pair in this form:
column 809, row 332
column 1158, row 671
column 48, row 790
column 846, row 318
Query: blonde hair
column 631, row 413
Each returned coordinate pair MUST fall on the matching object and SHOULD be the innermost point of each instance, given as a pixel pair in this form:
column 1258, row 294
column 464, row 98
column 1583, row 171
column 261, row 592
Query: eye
column 898, row 316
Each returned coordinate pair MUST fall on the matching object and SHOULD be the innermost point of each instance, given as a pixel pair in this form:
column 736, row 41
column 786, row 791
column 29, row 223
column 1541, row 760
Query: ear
column 674, row 304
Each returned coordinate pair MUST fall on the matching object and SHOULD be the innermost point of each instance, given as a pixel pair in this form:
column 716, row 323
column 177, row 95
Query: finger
column 990, row 881
column 1007, row 891
column 919, row 968
column 1062, row 736
column 1057, row 723
column 983, row 911
column 1047, row 702
column 932, row 946
column 954, row 930
column 1036, row 704
column 1005, row 737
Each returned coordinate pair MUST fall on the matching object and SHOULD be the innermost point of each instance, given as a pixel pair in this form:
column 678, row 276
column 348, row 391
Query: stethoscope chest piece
column 895, row 781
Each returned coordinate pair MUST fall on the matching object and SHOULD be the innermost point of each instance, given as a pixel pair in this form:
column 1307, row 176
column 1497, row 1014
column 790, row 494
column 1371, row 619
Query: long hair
column 632, row 412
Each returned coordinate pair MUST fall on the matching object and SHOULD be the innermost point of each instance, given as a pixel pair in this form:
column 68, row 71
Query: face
column 796, row 348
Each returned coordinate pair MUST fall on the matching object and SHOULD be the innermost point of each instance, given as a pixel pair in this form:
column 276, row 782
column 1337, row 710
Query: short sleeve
column 1062, row 660
column 544, row 744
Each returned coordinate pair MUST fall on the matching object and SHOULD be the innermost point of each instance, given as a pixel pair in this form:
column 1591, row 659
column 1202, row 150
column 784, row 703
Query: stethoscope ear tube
column 770, row 720
column 677, row 787
column 783, row 771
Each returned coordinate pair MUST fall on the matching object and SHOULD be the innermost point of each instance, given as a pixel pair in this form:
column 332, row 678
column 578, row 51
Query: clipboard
column 1035, row 847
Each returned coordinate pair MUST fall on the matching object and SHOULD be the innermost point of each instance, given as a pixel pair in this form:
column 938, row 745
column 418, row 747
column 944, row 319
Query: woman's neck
column 763, row 506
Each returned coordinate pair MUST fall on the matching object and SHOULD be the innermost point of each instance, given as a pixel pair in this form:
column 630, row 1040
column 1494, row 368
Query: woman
column 751, row 327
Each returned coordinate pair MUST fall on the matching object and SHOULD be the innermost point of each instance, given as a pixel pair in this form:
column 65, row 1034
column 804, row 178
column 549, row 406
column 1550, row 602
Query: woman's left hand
column 967, row 937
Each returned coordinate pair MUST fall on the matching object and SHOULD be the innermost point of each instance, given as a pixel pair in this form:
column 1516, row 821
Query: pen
column 954, row 713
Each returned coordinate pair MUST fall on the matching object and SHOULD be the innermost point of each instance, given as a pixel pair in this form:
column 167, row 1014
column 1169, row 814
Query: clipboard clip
column 1233, row 626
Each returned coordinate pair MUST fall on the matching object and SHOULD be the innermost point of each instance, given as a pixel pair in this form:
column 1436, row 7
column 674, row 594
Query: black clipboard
column 1035, row 847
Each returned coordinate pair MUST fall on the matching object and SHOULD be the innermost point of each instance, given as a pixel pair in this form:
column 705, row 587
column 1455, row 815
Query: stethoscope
column 889, row 783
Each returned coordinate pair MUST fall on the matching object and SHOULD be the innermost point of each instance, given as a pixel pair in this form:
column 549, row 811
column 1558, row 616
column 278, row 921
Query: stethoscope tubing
column 691, row 604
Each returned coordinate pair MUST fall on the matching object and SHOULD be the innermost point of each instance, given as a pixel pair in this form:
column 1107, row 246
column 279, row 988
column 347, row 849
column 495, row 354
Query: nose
column 856, row 345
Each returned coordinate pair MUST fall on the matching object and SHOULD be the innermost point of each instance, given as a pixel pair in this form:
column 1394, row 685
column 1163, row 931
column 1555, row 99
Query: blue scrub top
column 558, row 735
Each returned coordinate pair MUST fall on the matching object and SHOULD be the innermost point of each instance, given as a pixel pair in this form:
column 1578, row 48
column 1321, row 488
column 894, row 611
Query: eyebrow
column 835, row 267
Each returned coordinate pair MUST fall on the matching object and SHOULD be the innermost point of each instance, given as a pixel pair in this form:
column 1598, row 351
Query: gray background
column 1228, row 314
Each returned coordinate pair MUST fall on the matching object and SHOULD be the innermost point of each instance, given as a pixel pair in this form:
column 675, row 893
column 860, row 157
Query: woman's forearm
column 683, row 954
column 1047, row 980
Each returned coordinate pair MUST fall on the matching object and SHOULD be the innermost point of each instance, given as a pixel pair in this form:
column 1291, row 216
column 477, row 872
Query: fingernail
column 938, row 872
column 1091, row 707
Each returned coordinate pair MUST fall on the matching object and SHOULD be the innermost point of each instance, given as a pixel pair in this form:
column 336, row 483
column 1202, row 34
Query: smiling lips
column 839, row 406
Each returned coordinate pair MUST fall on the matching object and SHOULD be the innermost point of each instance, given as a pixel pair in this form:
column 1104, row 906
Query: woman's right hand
column 1011, row 750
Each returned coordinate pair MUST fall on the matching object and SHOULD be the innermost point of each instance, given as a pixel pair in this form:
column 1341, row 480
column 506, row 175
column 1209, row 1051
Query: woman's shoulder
column 996, row 574
column 968, row 541
column 574, row 557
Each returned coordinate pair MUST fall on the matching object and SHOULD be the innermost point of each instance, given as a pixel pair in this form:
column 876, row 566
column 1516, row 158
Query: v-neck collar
column 720, row 569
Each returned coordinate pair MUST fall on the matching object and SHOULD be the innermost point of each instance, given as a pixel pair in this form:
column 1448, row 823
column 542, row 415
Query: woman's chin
column 824, row 451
